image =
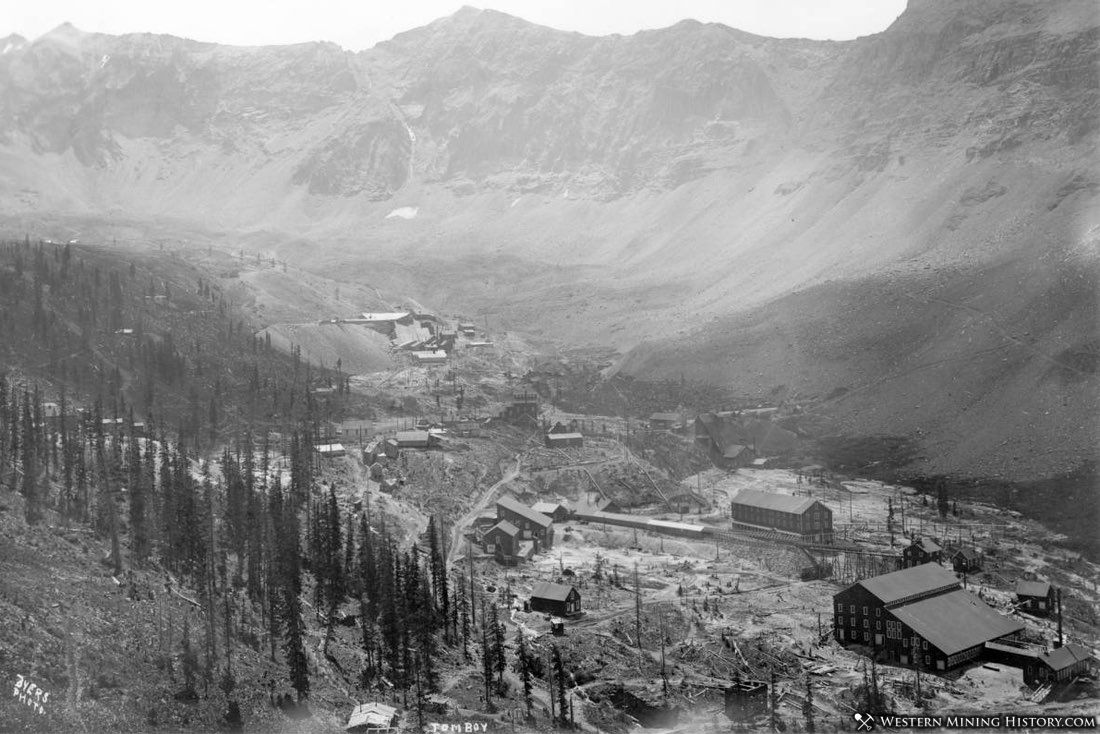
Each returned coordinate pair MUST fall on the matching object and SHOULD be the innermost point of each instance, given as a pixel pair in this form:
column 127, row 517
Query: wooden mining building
column 804, row 517
column 919, row 616
column 524, row 408
column 556, row 599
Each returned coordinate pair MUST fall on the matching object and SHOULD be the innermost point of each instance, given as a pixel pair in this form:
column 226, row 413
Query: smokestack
column 1059, row 643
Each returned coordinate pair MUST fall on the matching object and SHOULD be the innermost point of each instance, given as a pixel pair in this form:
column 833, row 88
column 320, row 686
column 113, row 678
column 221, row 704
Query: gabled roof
column 505, row 527
column 773, row 501
column 969, row 554
column 955, row 621
column 597, row 505
column 547, row 508
column 734, row 450
column 769, row 438
column 554, row 592
column 1065, row 656
column 373, row 714
column 927, row 545
column 674, row 417
column 918, row 580
column 1032, row 588
column 524, row 511
column 764, row 436
column 412, row 436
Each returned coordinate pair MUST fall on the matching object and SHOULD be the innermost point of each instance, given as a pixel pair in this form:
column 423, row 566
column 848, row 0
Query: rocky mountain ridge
column 666, row 192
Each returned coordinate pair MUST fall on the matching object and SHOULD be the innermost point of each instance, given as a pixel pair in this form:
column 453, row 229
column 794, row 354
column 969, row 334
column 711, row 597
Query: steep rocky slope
column 692, row 194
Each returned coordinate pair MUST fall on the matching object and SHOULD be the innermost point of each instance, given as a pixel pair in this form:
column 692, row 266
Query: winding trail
column 457, row 531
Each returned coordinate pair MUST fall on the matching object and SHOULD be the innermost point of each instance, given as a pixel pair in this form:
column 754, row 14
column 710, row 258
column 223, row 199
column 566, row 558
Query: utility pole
column 470, row 560
column 637, row 610
column 1059, row 598
column 664, row 673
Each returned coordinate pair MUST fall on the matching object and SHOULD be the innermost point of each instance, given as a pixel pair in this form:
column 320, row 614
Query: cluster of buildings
column 519, row 533
column 922, row 617
column 734, row 439
column 423, row 334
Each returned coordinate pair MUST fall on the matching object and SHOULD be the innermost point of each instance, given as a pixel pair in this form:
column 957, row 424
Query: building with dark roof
column 919, row 616
column 728, row 437
column 414, row 439
column 1060, row 664
column 524, row 408
column 564, row 440
column 505, row 542
column 556, row 599
column 1035, row 597
column 735, row 456
column 921, row 551
column 556, row 511
column 501, row 537
column 797, row 515
column 664, row 421
column 532, row 525
column 966, row 560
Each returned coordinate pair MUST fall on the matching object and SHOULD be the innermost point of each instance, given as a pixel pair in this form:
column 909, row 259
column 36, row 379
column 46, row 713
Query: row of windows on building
column 852, row 609
column 894, row 629
column 856, row 636
column 777, row 518
column 953, row 660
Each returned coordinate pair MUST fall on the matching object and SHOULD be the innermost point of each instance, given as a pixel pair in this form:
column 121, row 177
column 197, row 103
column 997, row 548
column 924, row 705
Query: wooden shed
column 556, row 599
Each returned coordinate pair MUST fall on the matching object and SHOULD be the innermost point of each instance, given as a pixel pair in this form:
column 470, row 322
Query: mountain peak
column 66, row 29
column 14, row 42
column 66, row 34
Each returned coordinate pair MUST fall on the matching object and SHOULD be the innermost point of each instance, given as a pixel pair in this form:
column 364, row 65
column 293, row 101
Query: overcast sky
column 358, row 24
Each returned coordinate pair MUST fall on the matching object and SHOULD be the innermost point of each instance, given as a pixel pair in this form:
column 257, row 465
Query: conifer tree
column 496, row 630
column 487, row 667
column 524, row 663
column 439, row 577
column 559, row 676
column 29, row 467
column 188, row 658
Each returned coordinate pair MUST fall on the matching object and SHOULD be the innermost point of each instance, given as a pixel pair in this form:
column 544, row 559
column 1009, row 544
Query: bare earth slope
column 689, row 193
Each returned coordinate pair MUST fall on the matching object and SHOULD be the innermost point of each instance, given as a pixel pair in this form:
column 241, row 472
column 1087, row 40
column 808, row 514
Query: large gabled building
column 802, row 516
column 532, row 525
column 733, row 440
column 919, row 616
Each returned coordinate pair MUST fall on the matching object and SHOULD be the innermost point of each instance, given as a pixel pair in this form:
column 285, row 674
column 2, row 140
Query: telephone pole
column 637, row 610
column 470, row 561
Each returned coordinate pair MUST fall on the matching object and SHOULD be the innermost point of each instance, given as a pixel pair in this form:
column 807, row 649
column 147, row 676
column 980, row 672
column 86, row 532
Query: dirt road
column 463, row 522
